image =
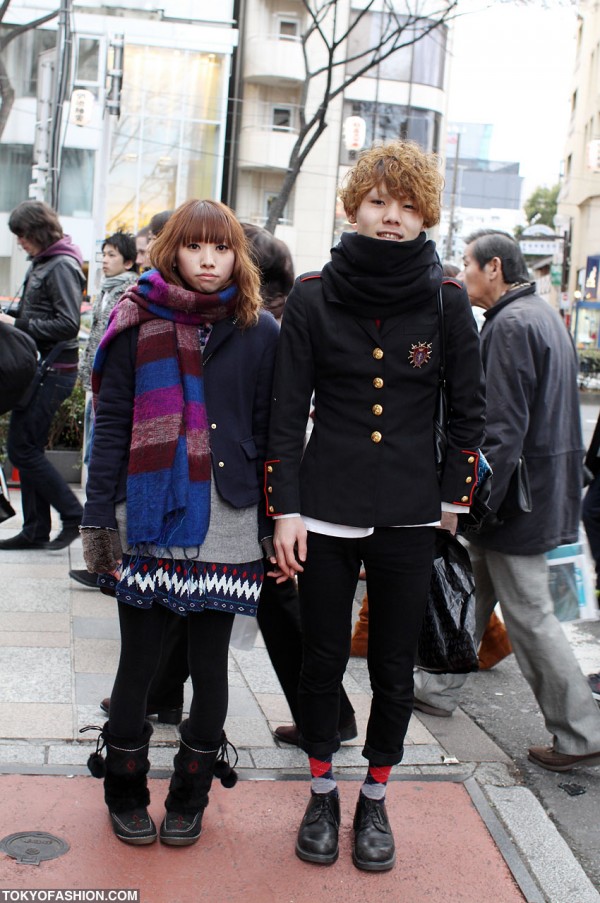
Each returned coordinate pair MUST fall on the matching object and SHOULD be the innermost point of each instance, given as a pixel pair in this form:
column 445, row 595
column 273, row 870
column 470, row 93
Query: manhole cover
column 33, row 847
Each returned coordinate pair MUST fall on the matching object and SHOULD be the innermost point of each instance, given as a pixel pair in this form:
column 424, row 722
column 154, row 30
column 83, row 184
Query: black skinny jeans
column 141, row 640
column 398, row 563
column 42, row 487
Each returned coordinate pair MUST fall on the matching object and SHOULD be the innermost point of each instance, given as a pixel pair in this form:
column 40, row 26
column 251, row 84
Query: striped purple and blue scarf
column 168, row 478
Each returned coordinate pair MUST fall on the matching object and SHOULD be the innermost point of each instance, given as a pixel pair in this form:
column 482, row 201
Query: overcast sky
column 512, row 66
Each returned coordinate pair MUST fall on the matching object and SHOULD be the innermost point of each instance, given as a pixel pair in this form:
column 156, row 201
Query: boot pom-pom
column 226, row 774
column 96, row 765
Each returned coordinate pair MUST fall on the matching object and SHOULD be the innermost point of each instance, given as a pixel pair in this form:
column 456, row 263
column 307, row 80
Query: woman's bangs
column 207, row 225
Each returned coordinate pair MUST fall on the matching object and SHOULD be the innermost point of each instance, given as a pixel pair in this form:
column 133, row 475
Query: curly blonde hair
column 405, row 169
column 214, row 223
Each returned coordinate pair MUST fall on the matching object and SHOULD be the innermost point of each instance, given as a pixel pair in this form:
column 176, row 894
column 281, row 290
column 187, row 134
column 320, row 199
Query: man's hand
column 4, row 318
column 290, row 545
column 449, row 522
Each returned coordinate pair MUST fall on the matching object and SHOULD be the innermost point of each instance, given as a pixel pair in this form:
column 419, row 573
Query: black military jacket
column 370, row 458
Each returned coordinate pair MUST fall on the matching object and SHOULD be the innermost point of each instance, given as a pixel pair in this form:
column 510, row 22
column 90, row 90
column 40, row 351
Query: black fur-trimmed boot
column 125, row 783
column 195, row 764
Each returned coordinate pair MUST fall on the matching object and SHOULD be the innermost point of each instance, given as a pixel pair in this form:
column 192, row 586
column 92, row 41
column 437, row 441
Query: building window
column 421, row 62
column 288, row 29
column 282, row 119
column 16, row 161
column 164, row 154
column 387, row 122
column 88, row 61
column 76, row 190
column 20, row 58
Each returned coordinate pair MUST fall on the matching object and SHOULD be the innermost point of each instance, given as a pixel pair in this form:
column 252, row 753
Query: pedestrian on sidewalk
column 49, row 311
column 363, row 335
column 183, row 384
column 118, row 274
column 532, row 413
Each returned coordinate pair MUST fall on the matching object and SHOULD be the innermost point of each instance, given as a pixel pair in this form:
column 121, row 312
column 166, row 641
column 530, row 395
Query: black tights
column 141, row 640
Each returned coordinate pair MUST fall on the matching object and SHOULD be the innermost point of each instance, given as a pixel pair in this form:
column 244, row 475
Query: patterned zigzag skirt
column 187, row 586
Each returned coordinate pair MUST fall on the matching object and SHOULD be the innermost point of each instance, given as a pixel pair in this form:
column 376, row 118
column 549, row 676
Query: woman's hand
column 290, row 545
column 449, row 522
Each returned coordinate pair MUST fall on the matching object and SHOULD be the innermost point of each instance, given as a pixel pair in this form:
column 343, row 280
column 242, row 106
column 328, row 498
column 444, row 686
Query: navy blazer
column 238, row 373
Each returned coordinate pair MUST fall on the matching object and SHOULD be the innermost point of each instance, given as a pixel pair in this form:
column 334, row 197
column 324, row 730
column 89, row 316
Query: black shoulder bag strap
column 440, row 419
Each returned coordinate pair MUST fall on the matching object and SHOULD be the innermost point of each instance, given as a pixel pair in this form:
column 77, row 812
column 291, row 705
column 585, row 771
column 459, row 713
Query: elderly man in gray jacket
column 532, row 412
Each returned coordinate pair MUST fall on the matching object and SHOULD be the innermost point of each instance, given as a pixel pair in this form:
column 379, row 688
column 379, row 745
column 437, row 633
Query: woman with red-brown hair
column 172, row 521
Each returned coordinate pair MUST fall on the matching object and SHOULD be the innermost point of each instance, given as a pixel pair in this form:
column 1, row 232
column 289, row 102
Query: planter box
column 68, row 463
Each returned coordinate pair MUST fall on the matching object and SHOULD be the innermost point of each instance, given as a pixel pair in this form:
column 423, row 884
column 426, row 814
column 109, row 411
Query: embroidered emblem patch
column 420, row 354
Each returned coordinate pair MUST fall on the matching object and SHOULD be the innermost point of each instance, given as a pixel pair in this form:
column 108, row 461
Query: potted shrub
column 65, row 440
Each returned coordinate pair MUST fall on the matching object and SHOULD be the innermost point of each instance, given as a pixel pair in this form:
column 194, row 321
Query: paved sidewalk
column 465, row 828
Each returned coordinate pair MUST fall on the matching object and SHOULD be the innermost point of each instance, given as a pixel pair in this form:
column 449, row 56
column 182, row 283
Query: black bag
column 18, row 365
column 42, row 368
column 447, row 644
column 518, row 495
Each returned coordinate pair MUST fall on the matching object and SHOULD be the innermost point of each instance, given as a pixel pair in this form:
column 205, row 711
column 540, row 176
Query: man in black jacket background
column 49, row 312
column 532, row 412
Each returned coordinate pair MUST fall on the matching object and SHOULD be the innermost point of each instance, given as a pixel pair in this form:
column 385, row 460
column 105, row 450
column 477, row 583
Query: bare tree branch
column 342, row 66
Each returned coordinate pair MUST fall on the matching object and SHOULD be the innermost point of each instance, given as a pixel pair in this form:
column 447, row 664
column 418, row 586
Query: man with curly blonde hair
column 364, row 335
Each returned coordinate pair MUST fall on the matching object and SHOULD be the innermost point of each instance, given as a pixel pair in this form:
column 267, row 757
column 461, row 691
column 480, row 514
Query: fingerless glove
column 102, row 550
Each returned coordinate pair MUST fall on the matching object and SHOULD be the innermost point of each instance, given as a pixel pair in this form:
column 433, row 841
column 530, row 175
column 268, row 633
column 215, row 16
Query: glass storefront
column 166, row 145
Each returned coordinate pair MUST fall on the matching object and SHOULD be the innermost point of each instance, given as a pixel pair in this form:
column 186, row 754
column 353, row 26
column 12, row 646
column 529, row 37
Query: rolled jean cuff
column 322, row 749
column 379, row 758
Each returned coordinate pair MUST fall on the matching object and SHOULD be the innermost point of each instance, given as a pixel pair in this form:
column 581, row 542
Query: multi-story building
column 479, row 192
column 167, row 143
column 579, row 198
column 199, row 117
column 403, row 96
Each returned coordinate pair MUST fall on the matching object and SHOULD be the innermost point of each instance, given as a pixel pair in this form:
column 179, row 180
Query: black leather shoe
column 135, row 827
column 349, row 731
column 20, row 541
column 85, row 578
column 164, row 715
column 290, row 733
column 318, row 833
column 180, row 830
column 374, row 849
column 66, row 536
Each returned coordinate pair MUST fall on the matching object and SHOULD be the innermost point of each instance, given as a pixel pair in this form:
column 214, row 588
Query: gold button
column 213, row 426
column 376, row 437
column 465, row 498
column 269, row 468
column 471, row 459
column 378, row 382
column 269, row 489
column 377, row 410
column 377, row 354
column 469, row 480
column 221, row 463
column 271, row 509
